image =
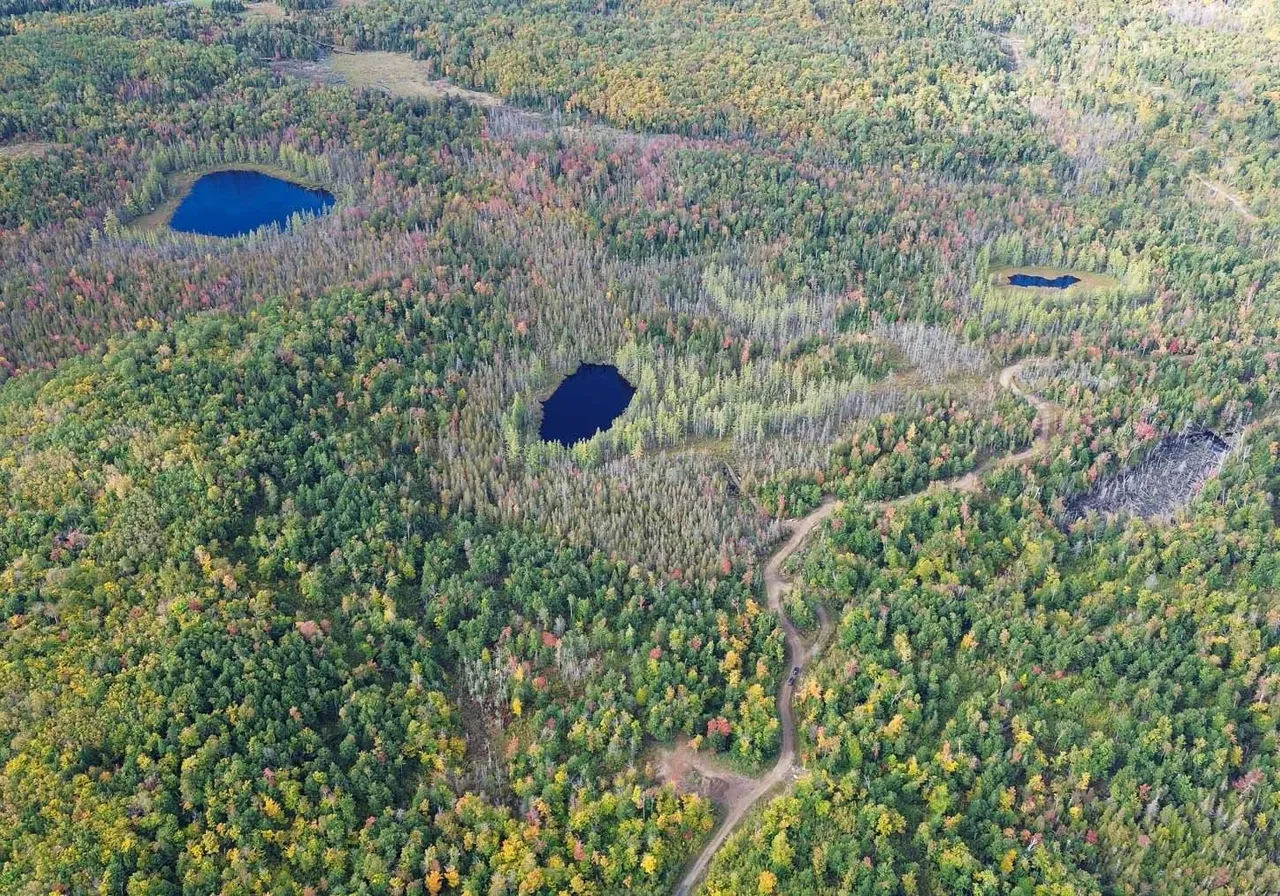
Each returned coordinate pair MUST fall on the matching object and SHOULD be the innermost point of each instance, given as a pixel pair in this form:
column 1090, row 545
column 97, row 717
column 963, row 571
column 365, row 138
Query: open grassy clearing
column 25, row 150
column 400, row 75
column 316, row 72
column 264, row 11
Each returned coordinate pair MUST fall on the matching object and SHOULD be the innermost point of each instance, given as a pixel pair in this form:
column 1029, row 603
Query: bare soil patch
column 693, row 771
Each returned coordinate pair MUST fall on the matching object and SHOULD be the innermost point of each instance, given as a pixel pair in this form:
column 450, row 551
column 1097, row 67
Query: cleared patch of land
column 25, row 150
column 1085, row 136
column 1218, row 15
column 317, row 72
column 399, row 74
column 699, row 772
column 1088, row 281
column 1017, row 48
column 264, row 11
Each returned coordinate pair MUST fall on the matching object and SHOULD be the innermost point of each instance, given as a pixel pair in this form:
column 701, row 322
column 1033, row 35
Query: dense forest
column 297, row 600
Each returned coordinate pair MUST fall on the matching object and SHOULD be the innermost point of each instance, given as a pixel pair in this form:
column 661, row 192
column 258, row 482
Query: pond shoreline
column 586, row 402
column 178, row 185
column 1085, row 281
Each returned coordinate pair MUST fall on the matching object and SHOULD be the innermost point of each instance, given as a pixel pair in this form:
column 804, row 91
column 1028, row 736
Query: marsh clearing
column 399, row 74
column 28, row 150
column 1086, row 281
column 264, row 11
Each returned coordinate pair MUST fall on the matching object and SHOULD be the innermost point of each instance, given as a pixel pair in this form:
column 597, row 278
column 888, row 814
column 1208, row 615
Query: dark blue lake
column 588, row 401
column 233, row 203
column 1033, row 280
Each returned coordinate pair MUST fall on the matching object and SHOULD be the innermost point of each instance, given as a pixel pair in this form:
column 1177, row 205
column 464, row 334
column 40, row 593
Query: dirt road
column 775, row 585
column 1233, row 199
column 739, row 800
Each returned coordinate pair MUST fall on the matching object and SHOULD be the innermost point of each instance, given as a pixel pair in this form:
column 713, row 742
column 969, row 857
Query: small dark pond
column 233, row 203
column 1033, row 280
column 588, row 401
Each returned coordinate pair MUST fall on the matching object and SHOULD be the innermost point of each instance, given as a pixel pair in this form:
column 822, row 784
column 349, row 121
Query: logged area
column 478, row 447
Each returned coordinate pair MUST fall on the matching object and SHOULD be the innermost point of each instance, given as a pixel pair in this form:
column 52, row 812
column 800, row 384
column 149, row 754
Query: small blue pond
column 1032, row 280
column 587, row 402
column 233, row 203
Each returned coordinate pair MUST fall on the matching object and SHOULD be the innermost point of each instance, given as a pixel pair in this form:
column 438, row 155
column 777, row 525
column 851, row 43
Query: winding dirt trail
column 798, row 654
column 1047, row 416
column 1233, row 199
column 740, row 799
